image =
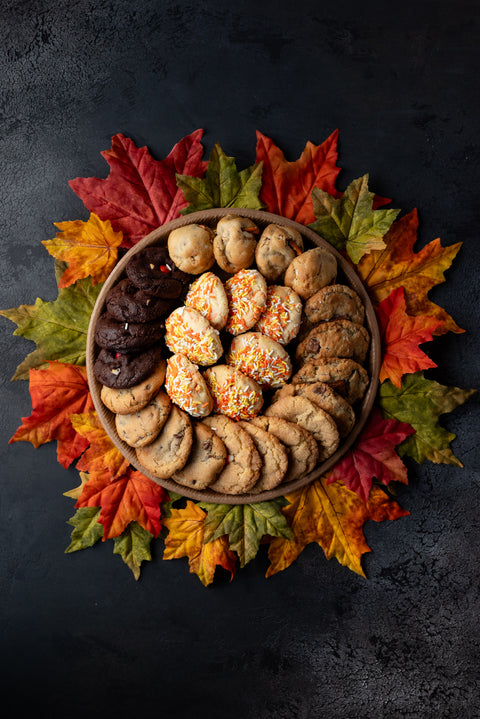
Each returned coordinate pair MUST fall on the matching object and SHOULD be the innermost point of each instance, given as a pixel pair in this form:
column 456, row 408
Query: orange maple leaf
column 131, row 497
column 401, row 334
column 333, row 517
column 185, row 539
column 102, row 458
column 90, row 248
column 397, row 265
column 57, row 392
column 287, row 186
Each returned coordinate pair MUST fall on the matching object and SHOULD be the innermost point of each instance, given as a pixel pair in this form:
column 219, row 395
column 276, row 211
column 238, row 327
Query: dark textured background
column 401, row 82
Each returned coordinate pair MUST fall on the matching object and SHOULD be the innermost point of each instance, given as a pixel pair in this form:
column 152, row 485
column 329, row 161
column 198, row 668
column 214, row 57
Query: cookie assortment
column 232, row 359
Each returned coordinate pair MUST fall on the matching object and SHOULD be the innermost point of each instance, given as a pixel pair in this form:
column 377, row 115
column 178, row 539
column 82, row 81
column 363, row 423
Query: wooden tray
column 262, row 219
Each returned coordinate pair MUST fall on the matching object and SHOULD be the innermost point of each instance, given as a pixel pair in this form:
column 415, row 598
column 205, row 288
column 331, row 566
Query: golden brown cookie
column 140, row 428
column 206, row 460
column 311, row 271
column 189, row 333
column 132, row 399
column 234, row 394
column 244, row 463
column 207, row 295
column 338, row 338
column 324, row 396
column 282, row 315
column 169, row 452
column 335, row 302
column 191, row 248
column 277, row 247
column 247, row 297
column 186, row 387
column 235, row 243
column 301, row 446
column 260, row 358
column 345, row 376
column 273, row 454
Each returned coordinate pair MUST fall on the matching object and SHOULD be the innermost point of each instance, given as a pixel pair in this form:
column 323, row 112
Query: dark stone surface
column 401, row 82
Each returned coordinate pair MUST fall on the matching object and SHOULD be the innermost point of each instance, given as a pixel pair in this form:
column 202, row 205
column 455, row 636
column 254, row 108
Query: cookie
column 234, row 394
column 191, row 248
column 186, row 387
column 189, row 333
column 120, row 370
column 311, row 271
column 273, row 454
column 335, row 302
column 338, row 338
column 247, row 297
column 207, row 458
column 306, row 414
column 244, row 463
column 153, row 271
column 322, row 395
column 277, row 247
column 282, row 315
column 133, row 399
column 169, row 452
column 127, row 336
column 345, row 376
column 260, row 358
column 302, row 448
column 235, row 243
column 207, row 295
column 126, row 303
column 140, row 428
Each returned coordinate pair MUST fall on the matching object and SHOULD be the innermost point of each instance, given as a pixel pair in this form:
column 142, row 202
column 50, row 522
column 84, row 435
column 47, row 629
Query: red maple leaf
column 140, row 193
column 131, row 497
column 373, row 456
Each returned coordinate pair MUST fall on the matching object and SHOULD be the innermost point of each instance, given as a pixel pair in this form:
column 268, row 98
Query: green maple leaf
column 87, row 530
column 420, row 402
column 58, row 328
column 350, row 222
column 245, row 525
column 133, row 545
column 223, row 185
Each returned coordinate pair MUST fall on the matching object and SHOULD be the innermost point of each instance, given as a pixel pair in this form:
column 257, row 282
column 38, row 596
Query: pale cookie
column 207, row 459
column 234, row 394
column 169, row 452
column 244, row 463
column 142, row 427
column 191, row 334
column 191, row 248
column 335, row 302
column 247, row 297
column 277, row 247
column 273, row 454
column 282, row 315
column 260, row 358
column 132, row 399
column 345, row 376
column 186, row 387
column 323, row 396
column 311, row 271
column 338, row 338
column 235, row 243
column 302, row 448
column 306, row 414
column 207, row 295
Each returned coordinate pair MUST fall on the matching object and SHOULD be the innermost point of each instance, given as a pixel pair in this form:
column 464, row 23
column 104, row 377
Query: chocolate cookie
column 273, row 454
column 345, row 376
column 153, row 271
column 132, row 399
column 276, row 248
column 207, row 459
column 335, row 302
column 311, row 271
column 127, row 336
column 169, row 452
column 338, row 338
column 244, row 463
column 140, row 428
column 326, row 398
column 191, row 248
column 126, row 303
column 302, row 449
column 120, row 370
column 235, row 243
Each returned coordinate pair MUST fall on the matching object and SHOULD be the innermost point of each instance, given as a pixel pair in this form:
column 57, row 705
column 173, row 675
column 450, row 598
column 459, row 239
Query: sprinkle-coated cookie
column 345, row 376
column 282, row 315
column 140, row 428
column 207, row 458
column 169, row 452
column 244, row 463
column 247, row 297
column 260, row 358
column 335, row 302
column 301, row 446
column 207, row 295
column 191, row 334
column 153, row 271
column 191, row 248
column 127, row 336
column 338, row 338
column 235, row 243
column 311, row 271
column 126, row 303
column 132, row 399
column 186, row 387
column 273, row 454
column 234, row 394
column 120, row 370
column 277, row 247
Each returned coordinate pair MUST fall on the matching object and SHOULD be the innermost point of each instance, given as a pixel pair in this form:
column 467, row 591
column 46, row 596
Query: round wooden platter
column 261, row 219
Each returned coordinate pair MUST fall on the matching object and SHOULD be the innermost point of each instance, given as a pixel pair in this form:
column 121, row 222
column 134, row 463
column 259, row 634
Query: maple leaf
column 350, row 223
column 397, row 265
column 287, row 186
column 129, row 498
column 223, row 185
column 57, row 392
column 140, row 193
column 333, row 517
column 76, row 491
column 89, row 248
column 102, row 458
column 186, row 530
column 420, row 402
column 87, row 530
column 245, row 525
column 133, row 545
column 373, row 456
column 58, row 328
column 401, row 335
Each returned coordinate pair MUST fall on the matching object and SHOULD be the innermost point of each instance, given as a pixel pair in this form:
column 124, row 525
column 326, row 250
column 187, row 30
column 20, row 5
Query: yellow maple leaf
column 102, row 458
column 89, row 248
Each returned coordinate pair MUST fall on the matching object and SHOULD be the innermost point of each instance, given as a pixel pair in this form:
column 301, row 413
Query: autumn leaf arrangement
column 116, row 502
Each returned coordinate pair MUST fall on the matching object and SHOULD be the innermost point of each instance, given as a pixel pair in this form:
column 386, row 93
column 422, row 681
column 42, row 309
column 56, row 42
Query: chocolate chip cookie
column 207, row 459
column 326, row 398
column 244, row 463
column 277, row 247
column 132, row 399
column 126, row 303
column 140, row 428
column 310, row 271
column 335, row 302
column 121, row 370
column 169, row 452
column 127, row 336
column 235, row 243
column 273, row 454
column 153, row 271
column 338, row 338
column 301, row 446
column 191, row 248
column 345, row 376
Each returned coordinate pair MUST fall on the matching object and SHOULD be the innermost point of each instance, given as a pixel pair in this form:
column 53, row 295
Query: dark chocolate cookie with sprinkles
column 127, row 336
column 126, row 303
column 153, row 271
column 120, row 370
